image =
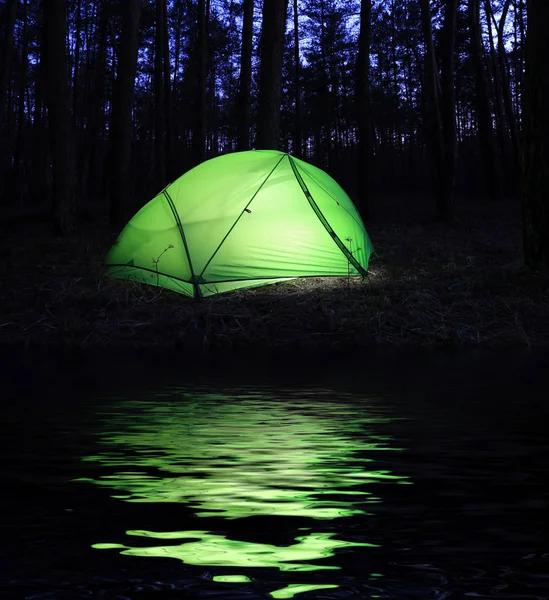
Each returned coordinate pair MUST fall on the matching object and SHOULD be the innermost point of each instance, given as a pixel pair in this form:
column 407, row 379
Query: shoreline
column 430, row 285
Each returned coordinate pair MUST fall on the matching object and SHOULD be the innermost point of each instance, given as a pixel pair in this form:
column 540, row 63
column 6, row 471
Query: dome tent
column 240, row 220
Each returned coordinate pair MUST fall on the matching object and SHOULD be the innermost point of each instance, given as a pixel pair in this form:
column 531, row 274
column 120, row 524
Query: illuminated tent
column 241, row 220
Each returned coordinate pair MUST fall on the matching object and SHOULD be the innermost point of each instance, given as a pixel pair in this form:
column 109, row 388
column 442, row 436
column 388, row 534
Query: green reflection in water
column 233, row 457
column 296, row 588
column 213, row 550
column 245, row 457
column 231, row 578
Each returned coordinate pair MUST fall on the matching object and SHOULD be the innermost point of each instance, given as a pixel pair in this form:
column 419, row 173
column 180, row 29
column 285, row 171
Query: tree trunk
column 322, row 95
column 536, row 137
column 76, row 74
column 159, row 104
column 54, row 26
column 396, row 137
column 364, row 113
column 78, row 115
column 270, row 73
column 94, row 107
column 120, row 138
column 497, row 93
column 177, row 51
column 445, row 199
column 521, row 42
column 298, row 143
column 245, row 83
column 19, row 167
column 212, row 134
column 168, row 112
column 506, row 92
column 9, row 15
column 199, row 132
column 483, row 103
column 179, row 158
column 432, row 116
column 38, row 181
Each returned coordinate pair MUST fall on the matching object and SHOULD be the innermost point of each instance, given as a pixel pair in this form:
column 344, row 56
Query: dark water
column 423, row 479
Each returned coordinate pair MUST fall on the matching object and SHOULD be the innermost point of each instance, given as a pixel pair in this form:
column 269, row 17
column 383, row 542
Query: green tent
column 241, row 220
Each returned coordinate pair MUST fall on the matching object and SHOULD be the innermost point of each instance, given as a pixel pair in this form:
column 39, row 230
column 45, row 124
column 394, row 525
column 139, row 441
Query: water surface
column 332, row 486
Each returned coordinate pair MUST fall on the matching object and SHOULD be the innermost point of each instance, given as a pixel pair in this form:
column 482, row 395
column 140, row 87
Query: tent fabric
column 241, row 220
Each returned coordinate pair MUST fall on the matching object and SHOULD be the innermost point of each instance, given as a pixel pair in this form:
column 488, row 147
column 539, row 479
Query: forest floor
column 429, row 284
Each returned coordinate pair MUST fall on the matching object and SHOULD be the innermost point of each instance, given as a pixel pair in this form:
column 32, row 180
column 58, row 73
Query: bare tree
column 482, row 98
column 364, row 111
column 54, row 55
column 8, row 15
column 433, row 116
column 497, row 92
column 297, row 82
column 503, row 64
column 168, row 110
column 445, row 199
column 270, row 74
column 120, row 138
column 536, row 137
column 19, row 178
column 159, row 101
column 441, row 114
column 199, row 132
column 245, row 83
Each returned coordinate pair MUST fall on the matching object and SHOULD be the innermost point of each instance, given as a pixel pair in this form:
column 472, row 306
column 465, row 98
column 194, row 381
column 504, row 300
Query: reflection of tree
column 241, row 456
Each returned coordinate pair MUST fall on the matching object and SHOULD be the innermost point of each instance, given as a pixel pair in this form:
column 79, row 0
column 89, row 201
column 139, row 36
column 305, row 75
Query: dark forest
column 432, row 115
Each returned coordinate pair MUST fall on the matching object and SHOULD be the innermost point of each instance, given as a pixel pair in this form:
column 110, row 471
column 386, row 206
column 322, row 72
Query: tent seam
column 240, row 215
column 183, row 239
column 346, row 252
column 330, row 195
column 221, row 280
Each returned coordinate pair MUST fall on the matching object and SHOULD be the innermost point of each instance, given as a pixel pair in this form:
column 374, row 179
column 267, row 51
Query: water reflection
column 213, row 550
column 235, row 456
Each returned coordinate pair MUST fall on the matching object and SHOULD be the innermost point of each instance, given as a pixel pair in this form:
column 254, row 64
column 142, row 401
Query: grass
column 429, row 285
